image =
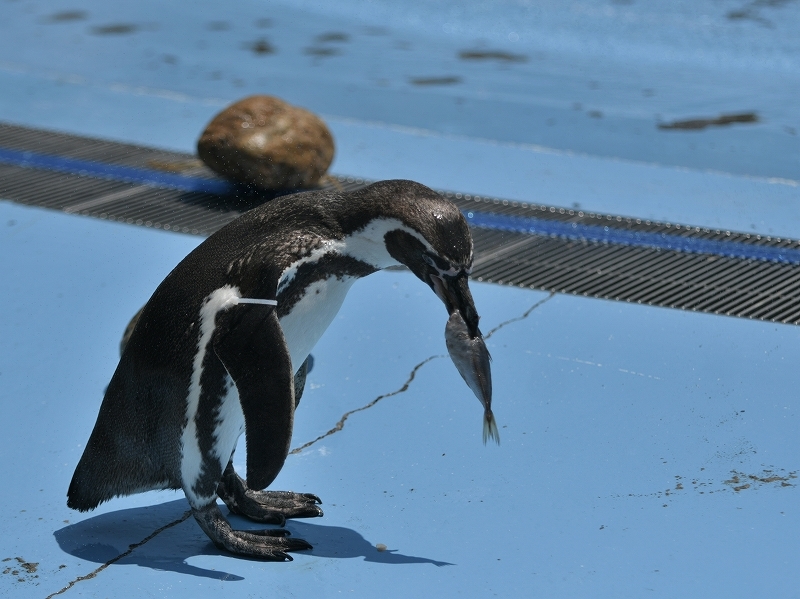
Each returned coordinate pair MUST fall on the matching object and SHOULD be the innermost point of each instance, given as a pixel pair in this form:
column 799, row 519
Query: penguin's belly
column 312, row 314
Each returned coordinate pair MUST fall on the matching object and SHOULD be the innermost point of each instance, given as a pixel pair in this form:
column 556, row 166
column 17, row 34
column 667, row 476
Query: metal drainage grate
column 526, row 245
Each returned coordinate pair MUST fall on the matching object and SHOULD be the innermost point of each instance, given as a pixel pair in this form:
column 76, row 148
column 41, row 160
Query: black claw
column 268, row 507
column 271, row 532
column 298, row 545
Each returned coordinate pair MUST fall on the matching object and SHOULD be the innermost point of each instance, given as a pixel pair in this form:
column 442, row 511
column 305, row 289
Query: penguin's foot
column 271, row 544
column 269, row 507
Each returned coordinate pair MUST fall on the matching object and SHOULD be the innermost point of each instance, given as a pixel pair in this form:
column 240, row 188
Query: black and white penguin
column 202, row 365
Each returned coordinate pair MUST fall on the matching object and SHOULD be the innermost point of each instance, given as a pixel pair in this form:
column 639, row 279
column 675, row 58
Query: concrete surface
column 644, row 451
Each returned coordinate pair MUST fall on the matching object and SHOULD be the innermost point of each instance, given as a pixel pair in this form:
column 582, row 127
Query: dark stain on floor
column 17, row 569
column 495, row 55
column 321, row 52
column 261, row 47
column 721, row 121
column 333, row 36
column 739, row 481
column 752, row 11
column 115, row 29
column 67, row 16
column 449, row 80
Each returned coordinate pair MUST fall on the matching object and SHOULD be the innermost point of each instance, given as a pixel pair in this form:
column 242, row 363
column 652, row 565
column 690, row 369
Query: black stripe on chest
column 329, row 265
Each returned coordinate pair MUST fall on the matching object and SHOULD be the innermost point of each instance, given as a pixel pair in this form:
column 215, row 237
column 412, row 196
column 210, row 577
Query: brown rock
column 266, row 142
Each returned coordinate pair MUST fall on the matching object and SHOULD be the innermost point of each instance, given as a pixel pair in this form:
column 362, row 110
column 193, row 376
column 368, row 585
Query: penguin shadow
column 337, row 542
column 104, row 538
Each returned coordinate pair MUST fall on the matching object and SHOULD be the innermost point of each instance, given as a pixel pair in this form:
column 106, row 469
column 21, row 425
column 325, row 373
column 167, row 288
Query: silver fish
column 472, row 361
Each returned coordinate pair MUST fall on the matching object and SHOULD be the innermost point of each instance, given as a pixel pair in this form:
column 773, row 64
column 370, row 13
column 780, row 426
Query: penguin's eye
column 437, row 263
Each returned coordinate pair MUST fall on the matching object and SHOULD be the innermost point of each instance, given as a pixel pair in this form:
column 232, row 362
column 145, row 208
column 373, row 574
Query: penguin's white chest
column 312, row 314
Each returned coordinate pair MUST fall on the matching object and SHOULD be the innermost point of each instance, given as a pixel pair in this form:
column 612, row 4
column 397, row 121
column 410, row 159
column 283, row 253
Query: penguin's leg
column 247, row 343
column 270, row 507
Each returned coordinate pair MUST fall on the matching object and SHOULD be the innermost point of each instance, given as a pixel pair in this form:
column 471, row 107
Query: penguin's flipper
column 270, row 507
column 254, row 352
column 270, row 544
column 250, row 344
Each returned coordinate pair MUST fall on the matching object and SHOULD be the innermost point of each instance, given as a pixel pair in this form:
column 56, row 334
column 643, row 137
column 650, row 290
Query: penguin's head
column 428, row 234
column 438, row 250
column 436, row 245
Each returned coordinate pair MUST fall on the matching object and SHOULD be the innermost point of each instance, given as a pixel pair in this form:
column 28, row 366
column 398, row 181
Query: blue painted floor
column 644, row 451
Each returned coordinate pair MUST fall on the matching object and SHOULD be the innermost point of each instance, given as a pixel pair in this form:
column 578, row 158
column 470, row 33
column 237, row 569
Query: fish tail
column 490, row 428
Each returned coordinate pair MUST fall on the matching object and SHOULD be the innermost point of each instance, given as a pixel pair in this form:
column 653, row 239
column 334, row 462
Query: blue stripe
column 110, row 171
column 601, row 234
column 532, row 226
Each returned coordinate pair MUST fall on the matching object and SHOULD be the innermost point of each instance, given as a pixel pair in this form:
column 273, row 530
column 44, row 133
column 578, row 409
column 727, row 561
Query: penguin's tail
column 84, row 493
column 131, row 448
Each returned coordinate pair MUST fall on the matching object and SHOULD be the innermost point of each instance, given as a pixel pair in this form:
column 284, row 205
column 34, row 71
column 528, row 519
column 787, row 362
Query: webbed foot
column 268, row 544
column 269, row 507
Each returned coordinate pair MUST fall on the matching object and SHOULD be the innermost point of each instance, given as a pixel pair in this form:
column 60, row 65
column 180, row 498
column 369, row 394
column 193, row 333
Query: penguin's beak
column 456, row 296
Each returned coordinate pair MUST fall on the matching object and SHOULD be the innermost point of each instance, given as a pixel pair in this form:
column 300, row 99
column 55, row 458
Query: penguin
column 209, row 359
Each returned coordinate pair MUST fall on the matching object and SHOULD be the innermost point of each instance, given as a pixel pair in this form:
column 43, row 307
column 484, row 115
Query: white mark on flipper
column 191, row 456
column 229, row 423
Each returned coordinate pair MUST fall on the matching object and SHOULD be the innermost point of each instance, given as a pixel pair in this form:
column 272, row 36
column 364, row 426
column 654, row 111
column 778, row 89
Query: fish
column 471, row 358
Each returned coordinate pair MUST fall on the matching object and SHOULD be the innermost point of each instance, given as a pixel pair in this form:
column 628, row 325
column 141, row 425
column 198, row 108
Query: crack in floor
column 339, row 426
column 122, row 555
column 518, row 318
